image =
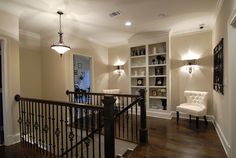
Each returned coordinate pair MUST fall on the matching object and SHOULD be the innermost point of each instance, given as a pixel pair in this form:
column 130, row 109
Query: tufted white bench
column 196, row 105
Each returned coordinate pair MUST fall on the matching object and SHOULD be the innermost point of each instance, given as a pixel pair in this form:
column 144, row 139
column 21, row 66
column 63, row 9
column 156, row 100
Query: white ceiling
column 90, row 18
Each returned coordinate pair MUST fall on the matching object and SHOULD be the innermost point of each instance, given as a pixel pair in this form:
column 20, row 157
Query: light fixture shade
column 190, row 65
column 60, row 48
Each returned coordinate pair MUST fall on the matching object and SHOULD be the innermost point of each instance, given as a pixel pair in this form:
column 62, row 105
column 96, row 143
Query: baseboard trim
column 223, row 140
column 186, row 116
column 12, row 139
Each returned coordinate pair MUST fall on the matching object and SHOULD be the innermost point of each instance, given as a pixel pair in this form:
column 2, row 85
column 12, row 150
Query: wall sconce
column 190, row 65
column 119, row 69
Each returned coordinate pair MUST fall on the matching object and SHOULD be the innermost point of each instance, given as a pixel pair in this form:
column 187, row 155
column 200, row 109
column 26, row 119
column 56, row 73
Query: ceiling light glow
column 128, row 23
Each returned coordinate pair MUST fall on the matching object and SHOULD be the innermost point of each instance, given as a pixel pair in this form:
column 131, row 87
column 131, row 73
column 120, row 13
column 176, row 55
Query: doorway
column 1, row 102
column 82, row 73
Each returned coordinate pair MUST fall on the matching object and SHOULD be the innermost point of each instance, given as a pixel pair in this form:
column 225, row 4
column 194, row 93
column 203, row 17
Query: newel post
column 109, row 126
column 143, row 136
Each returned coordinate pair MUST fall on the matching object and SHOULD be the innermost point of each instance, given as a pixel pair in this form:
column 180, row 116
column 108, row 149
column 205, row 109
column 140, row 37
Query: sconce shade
column 119, row 69
column 60, row 47
column 190, row 64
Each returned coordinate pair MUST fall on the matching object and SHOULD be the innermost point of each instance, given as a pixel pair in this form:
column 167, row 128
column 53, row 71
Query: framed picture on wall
column 218, row 73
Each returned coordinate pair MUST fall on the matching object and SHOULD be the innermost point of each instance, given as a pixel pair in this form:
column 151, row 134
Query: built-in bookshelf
column 157, row 68
column 138, row 68
column 149, row 66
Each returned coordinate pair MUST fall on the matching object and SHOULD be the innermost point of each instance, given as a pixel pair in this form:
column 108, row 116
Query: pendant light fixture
column 60, row 47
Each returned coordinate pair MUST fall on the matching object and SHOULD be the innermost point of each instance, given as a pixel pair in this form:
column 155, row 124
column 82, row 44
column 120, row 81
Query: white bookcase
column 149, row 69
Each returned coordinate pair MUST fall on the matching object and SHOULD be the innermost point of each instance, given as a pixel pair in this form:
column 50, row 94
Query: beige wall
column 119, row 55
column 232, row 79
column 221, row 104
column 201, row 78
column 12, row 87
column 9, row 25
column 11, row 77
column 9, row 32
column 57, row 74
column 30, row 66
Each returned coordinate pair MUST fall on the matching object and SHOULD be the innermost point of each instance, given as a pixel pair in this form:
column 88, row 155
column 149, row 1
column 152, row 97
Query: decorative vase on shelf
column 158, row 59
column 153, row 61
column 154, row 50
column 161, row 50
column 163, row 102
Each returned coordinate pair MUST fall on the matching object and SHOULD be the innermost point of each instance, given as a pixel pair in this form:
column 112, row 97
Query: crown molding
column 217, row 10
column 30, row 34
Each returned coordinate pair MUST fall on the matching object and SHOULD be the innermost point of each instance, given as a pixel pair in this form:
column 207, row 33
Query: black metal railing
column 52, row 127
column 74, row 129
column 125, row 115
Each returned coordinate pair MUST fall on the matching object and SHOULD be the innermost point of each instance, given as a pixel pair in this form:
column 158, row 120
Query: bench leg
column 177, row 114
column 205, row 119
column 197, row 122
column 190, row 118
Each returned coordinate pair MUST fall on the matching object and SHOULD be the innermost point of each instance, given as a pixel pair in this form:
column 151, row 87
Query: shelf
column 157, row 97
column 150, row 68
column 157, row 76
column 138, row 86
column 157, row 86
column 156, row 54
column 137, row 66
column 139, row 56
column 157, row 65
column 138, row 76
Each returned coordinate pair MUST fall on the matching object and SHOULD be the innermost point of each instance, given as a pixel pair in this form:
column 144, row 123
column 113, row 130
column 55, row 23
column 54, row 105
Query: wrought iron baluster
column 99, row 134
column 20, row 120
column 58, row 132
column 86, row 129
column 42, row 116
column 46, row 127
column 93, row 128
column 71, row 135
column 76, row 133
column 50, row 129
column 62, row 139
column 36, row 125
column 119, row 107
column 123, row 115
column 127, row 117
column 66, row 123
column 32, row 123
column 53, row 129
column 27, row 122
column 81, row 132
column 24, row 121
column 39, row 118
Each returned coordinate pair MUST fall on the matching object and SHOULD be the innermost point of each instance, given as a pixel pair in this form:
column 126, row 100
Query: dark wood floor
column 166, row 140
column 169, row 140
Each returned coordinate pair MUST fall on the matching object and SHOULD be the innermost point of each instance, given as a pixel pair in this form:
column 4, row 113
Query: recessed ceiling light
column 128, row 23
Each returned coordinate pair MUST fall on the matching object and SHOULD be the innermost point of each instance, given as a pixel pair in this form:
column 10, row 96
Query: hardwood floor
column 20, row 150
column 169, row 140
column 166, row 140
